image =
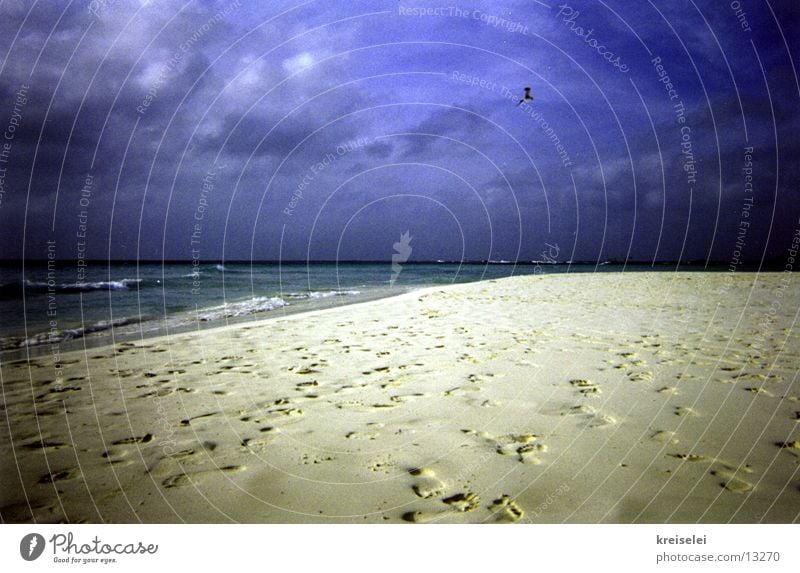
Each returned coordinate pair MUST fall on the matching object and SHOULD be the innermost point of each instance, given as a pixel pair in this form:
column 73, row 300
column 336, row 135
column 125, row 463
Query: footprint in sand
column 188, row 421
column 401, row 398
column 463, row 502
column 384, row 464
column 256, row 444
column 173, row 460
column 602, row 421
column 761, row 391
column 792, row 447
column 461, row 390
column 184, row 479
column 286, row 411
column 356, row 435
column 55, row 393
column 117, row 456
column 684, row 411
column 45, row 446
column 691, row 458
column 63, row 475
column 582, row 410
column 423, row 516
column 159, row 393
column 752, row 377
column 477, row 379
column 484, row 403
column 134, row 440
column 506, row 510
column 181, row 455
column 665, row 437
column 640, row 376
column 459, row 503
column 524, row 446
column 731, row 481
column 426, row 485
column 311, row 459
column 586, row 387
column 595, row 418
column 378, row 370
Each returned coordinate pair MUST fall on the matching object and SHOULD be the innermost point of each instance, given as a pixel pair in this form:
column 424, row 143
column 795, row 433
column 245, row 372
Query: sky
column 295, row 130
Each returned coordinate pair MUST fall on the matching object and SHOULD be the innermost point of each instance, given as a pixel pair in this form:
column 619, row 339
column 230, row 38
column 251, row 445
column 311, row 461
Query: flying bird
column 526, row 98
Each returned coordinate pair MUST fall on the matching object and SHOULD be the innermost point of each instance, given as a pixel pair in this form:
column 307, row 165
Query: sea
column 73, row 307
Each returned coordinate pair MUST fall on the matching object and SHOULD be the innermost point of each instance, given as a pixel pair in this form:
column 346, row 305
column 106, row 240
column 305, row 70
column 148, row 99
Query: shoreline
column 103, row 340
column 130, row 332
column 644, row 397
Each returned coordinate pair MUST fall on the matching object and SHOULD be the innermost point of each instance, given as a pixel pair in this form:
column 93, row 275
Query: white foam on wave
column 321, row 294
column 242, row 308
column 55, row 336
column 123, row 284
column 18, row 289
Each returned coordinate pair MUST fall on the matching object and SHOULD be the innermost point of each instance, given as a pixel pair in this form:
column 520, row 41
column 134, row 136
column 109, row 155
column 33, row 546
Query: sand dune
column 635, row 397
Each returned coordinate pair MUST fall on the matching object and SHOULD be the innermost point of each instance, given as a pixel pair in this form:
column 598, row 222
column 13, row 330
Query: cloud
column 149, row 97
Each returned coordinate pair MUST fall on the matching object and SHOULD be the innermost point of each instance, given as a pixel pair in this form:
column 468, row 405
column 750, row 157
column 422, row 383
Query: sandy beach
column 614, row 397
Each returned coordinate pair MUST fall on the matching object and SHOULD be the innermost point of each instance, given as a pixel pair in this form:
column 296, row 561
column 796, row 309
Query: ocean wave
column 54, row 336
column 229, row 270
column 242, row 308
column 321, row 294
column 16, row 289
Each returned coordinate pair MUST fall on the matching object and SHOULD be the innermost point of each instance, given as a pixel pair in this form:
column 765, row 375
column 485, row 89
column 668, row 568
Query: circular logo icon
column 31, row 546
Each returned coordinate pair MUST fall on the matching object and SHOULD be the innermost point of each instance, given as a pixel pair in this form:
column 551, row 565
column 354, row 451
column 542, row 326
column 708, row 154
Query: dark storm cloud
column 316, row 105
column 451, row 122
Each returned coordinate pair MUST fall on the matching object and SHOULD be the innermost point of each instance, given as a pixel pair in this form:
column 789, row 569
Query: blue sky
column 325, row 130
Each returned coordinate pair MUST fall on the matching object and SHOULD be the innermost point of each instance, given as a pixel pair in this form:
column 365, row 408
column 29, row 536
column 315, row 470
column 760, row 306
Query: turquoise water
column 64, row 304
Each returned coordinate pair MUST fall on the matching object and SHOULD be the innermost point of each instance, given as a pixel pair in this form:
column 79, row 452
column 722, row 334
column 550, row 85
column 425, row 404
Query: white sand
column 635, row 397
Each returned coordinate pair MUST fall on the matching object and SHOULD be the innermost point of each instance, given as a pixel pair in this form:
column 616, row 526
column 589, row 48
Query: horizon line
column 196, row 262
